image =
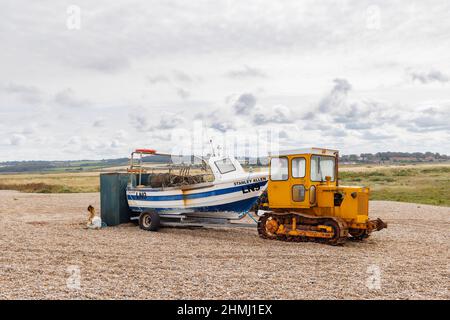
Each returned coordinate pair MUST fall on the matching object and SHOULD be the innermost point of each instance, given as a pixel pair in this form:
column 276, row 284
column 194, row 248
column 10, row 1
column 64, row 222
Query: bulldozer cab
column 295, row 175
column 305, row 202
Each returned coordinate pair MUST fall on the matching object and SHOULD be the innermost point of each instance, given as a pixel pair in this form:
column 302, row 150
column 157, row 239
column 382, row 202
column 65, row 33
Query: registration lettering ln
column 251, row 188
column 141, row 195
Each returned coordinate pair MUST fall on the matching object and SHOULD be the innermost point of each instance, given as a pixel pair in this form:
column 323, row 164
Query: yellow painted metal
column 272, row 226
column 281, row 229
column 361, row 218
column 310, row 233
column 325, row 197
column 352, row 207
column 326, row 228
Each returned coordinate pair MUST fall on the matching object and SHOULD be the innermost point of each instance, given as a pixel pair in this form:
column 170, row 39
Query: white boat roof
column 320, row 151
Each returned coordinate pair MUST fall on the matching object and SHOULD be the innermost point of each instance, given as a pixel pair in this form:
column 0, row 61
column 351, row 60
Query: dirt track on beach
column 44, row 247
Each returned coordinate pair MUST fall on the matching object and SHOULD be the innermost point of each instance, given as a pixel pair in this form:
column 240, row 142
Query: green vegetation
column 51, row 182
column 70, row 165
column 394, row 157
column 59, row 166
column 429, row 185
column 46, row 188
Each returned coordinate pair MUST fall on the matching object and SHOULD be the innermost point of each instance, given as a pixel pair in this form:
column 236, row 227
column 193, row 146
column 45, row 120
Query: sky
column 93, row 80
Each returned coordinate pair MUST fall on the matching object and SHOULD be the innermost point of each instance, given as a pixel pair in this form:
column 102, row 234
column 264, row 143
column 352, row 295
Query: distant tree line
column 26, row 166
column 80, row 165
column 39, row 166
column 381, row 157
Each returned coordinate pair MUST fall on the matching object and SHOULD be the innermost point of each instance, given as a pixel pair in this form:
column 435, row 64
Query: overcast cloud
column 360, row 76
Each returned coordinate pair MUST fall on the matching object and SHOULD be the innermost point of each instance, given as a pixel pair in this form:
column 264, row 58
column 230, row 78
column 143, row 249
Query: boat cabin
column 182, row 174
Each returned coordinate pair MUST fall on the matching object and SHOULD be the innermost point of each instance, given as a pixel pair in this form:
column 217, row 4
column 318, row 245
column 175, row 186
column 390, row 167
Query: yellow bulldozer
column 304, row 201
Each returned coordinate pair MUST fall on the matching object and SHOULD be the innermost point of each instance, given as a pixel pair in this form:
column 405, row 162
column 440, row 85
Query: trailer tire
column 149, row 221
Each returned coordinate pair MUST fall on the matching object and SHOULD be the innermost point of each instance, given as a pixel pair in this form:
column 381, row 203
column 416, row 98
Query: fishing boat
column 213, row 188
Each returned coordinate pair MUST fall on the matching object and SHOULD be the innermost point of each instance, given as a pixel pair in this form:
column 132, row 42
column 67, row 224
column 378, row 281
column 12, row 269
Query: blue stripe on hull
column 197, row 195
column 237, row 206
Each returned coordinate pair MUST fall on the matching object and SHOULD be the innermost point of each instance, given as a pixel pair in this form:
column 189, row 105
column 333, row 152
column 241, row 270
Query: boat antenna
column 212, row 148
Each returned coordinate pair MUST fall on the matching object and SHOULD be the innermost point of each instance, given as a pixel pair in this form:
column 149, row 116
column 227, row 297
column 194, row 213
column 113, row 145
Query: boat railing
column 172, row 175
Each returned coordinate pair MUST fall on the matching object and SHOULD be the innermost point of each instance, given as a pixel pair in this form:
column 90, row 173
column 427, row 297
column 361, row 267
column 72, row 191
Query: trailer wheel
column 149, row 221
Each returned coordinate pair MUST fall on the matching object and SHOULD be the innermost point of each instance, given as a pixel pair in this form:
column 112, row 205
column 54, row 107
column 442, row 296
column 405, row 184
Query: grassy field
column 51, row 182
column 427, row 184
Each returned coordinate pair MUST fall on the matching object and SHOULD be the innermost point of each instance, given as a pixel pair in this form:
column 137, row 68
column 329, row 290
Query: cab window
column 322, row 166
column 279, row 169
column 298, row 193
column 298, row 167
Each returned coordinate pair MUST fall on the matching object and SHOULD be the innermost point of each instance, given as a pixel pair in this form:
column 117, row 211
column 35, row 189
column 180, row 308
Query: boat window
column 322, row 166
column 208, row 175
column 225, row 165
column 298, row 167
column 279, row 169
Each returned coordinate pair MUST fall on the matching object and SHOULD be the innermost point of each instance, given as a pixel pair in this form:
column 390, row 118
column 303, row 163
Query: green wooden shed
column 113, row 199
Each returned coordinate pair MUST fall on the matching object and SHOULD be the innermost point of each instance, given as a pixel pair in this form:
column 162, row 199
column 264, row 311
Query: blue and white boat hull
column 227, row 199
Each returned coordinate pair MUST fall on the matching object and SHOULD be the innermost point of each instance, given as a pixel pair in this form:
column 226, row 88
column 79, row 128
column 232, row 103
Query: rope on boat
column 249, row 215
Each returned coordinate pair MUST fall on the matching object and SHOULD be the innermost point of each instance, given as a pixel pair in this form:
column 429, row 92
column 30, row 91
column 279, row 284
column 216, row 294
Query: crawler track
column 306, row 228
